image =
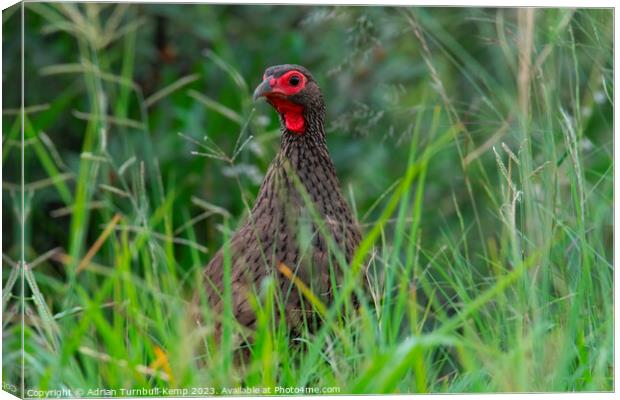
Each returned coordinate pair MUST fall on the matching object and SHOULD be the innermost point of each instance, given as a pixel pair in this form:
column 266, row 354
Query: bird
column 282, row 227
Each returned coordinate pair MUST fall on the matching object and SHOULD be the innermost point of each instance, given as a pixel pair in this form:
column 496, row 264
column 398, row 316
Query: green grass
column 479, row 165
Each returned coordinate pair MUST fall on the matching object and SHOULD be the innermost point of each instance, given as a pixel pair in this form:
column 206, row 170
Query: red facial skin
column 281, row 88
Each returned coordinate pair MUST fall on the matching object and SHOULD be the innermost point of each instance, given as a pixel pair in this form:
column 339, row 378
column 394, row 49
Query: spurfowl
column 300, row 186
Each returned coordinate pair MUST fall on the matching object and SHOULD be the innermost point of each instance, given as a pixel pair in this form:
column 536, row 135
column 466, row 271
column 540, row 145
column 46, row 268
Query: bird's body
column 300, row 193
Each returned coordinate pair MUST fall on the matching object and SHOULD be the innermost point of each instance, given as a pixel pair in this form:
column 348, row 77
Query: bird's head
column 295, row 95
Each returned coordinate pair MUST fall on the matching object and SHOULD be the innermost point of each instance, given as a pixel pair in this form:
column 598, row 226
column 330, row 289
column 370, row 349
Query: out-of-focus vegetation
column 475, row 145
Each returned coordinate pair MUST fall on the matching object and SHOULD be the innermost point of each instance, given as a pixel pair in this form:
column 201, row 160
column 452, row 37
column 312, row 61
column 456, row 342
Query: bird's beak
column 263, row 89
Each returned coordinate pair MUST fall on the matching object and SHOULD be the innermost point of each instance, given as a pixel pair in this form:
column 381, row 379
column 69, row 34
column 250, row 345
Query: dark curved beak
column 262, row 90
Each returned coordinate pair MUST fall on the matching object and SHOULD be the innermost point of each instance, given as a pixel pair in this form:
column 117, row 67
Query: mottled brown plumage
column 280, row 227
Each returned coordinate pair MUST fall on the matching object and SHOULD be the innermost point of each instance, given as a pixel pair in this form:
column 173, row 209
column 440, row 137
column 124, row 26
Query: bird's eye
column 294, row 80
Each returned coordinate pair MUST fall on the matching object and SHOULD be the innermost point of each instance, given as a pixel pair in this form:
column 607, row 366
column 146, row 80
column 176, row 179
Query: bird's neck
column 312, row 136
column 306, row 156
column 302, row 158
